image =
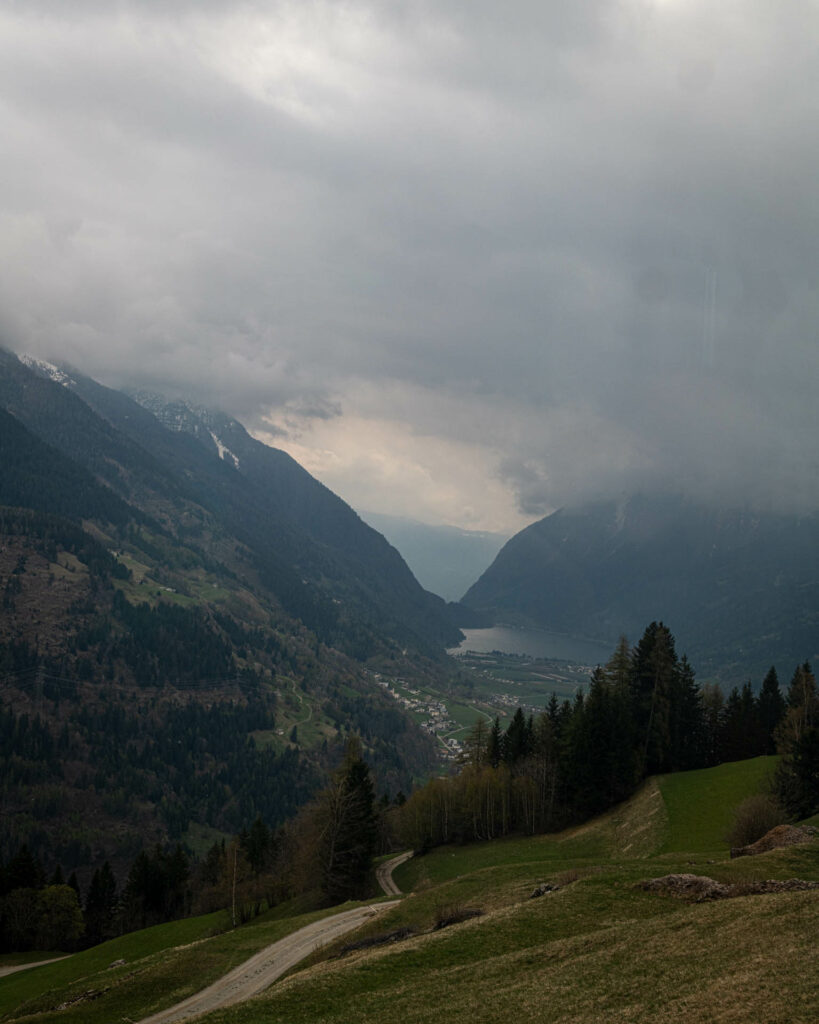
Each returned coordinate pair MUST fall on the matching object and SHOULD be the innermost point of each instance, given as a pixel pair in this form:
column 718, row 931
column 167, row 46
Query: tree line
column 643, row 714
column 326, row 850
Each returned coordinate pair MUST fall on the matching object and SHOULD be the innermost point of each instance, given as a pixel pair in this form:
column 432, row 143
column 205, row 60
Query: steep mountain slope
column 36, row 476
column 157, row 678
column 302, row 542
column 386, row 591
column 740, row 590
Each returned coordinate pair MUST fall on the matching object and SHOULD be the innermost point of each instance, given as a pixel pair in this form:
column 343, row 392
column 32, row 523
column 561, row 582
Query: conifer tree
column 349, row 829
column 494, row 746
column 618, row 667
column 713, row 704
column 653, row 676
column 771, row 710
column 517, row 742
column 475, row 744
column 797, row 738
column 101, row 906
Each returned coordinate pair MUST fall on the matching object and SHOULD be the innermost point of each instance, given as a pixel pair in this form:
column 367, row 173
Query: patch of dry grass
column 740, row 961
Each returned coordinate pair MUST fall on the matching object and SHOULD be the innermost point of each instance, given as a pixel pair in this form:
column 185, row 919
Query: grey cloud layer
column 591, row 229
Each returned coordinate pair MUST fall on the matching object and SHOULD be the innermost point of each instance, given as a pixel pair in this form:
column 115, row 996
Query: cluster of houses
column 508, row 700
column 437, row 720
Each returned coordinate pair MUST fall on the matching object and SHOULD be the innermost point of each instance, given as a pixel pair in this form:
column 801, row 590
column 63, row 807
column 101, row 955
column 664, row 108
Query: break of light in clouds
column 467, row 263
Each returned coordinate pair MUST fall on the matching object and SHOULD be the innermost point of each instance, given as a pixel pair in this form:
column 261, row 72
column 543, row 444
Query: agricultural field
column 523, row 680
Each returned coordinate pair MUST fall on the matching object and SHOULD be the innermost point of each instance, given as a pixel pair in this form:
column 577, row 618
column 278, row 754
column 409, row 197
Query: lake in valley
column 534, row 643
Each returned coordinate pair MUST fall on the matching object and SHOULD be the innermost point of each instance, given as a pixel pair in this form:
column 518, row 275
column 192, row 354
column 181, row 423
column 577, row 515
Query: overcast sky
column 467, row 261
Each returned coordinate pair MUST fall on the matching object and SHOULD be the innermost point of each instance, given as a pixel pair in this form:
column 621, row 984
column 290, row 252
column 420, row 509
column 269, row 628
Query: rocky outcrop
column 700, row 888
column 782, row 835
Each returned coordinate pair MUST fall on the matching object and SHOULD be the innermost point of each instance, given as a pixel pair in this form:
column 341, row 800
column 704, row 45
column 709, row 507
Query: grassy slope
column 596, row 949
column 700, row 803
column 163, row 965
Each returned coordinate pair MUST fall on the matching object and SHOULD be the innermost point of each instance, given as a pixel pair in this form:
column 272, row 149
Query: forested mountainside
column 158, row 680
column 307, row 546
column 741, row 588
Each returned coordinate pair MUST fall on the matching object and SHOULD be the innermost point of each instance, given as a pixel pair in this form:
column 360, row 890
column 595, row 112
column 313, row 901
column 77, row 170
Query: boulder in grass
column 699, row 888
column 543, row 888
column 782, row 835
column 696, row 888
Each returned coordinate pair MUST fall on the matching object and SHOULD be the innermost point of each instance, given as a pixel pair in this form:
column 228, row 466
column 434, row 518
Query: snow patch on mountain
column 224, row 452
column 47, row 370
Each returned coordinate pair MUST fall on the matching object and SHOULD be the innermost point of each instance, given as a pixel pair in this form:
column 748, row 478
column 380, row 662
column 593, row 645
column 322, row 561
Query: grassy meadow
column 597, row 948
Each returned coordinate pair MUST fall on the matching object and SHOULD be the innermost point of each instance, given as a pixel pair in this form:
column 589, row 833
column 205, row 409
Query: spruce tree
column 517, row 742
column 653, row 677
column 349, row 830
column 687, row 720
column 101, row 906
column 771, row 710
column 797, row 740
column 713, row 705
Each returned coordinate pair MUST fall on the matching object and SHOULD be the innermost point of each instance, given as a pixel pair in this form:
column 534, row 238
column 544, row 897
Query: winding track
column 261, row 970
column 383, row 873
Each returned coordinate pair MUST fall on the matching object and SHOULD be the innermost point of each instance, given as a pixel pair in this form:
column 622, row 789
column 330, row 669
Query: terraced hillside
column 594, row 947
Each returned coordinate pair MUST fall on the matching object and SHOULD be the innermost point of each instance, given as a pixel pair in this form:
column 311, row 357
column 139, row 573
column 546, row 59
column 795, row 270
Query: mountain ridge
column 740, row 588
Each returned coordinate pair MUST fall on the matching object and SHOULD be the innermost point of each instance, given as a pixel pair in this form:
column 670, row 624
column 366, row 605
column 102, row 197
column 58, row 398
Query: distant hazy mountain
column 740, row 590
column 444, row 559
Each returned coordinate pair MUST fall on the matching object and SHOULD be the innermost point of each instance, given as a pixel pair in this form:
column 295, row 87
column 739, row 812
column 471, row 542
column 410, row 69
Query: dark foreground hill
column 741, row 589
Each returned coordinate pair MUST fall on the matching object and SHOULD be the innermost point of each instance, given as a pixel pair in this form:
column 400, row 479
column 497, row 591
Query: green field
column 701, row 824
column 526, row 680
column 598, row 948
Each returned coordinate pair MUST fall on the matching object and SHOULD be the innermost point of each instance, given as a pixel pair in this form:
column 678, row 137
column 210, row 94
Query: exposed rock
column 698, row 888
column 773, row 885
column 543, row 888
column 83, row 997
column 691, row 887
column 377, row 940
column 782, row 835
column 454, row 915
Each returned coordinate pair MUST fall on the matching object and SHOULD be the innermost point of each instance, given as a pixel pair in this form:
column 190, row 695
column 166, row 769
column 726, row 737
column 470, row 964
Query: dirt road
column 24, row 967
column 254, row 975
column 383, row 873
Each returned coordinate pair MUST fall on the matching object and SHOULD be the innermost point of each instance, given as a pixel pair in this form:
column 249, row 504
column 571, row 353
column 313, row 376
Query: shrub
column 753, row 818
column 453, row 913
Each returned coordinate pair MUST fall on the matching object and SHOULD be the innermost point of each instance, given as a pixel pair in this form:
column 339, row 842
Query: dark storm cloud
column 582, row 237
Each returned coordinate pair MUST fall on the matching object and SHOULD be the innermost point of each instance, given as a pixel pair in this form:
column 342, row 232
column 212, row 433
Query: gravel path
column 256, row 974
column 24, row 967
column 383, row 873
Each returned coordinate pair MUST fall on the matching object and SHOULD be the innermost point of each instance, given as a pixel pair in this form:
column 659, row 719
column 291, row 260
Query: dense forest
column 325, row 850
column 133, row 712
